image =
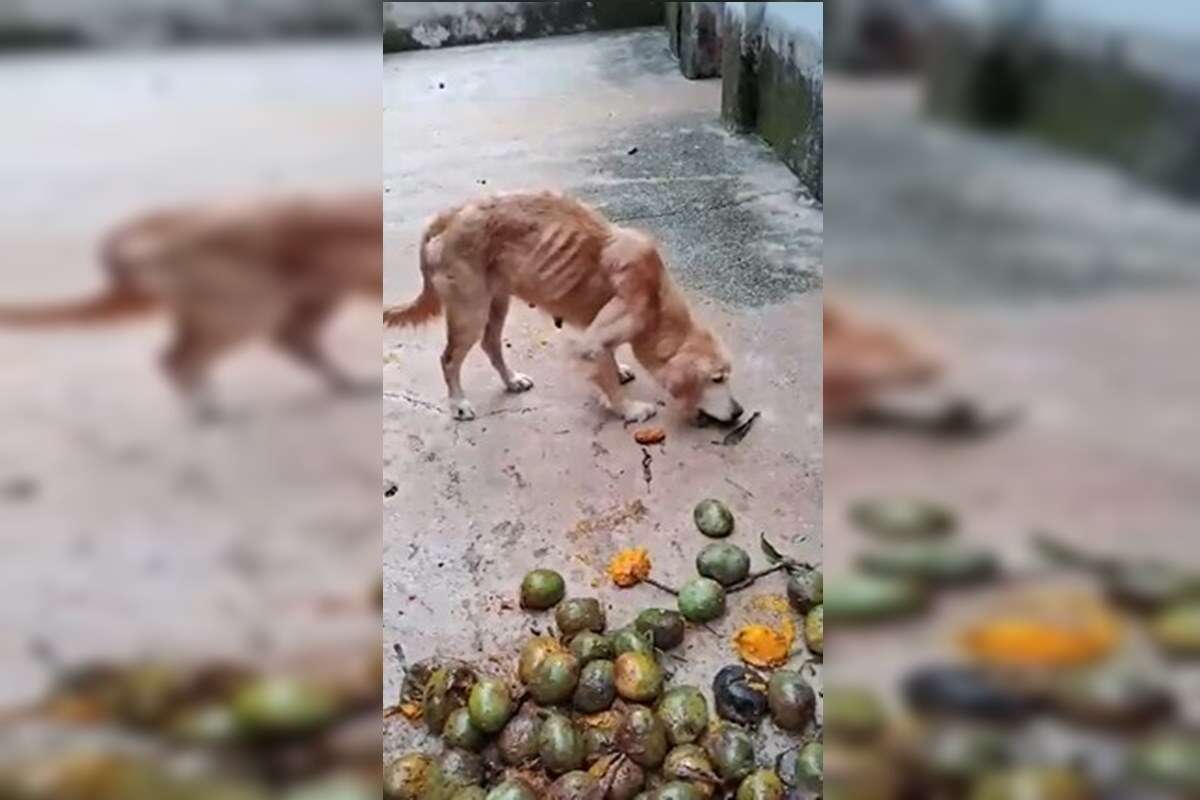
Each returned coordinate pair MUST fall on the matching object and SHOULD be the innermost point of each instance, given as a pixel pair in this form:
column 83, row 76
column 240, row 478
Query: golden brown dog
column 226, row 273
column 563, row 257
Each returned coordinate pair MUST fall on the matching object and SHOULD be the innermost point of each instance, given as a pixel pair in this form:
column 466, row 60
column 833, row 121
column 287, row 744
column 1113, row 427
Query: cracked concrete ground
column 1054, row 283
column 548, row 478
column 127, row 531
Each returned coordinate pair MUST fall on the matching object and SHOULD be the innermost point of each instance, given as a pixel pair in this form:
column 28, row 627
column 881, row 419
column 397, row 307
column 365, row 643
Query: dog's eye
column 718, row 379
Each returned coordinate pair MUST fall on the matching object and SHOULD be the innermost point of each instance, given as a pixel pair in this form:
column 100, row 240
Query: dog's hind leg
column 187, row 363
column 493, row 345
column 464, row 327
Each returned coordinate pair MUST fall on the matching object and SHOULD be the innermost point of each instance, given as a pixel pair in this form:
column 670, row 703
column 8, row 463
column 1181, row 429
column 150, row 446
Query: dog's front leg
column 612, row 327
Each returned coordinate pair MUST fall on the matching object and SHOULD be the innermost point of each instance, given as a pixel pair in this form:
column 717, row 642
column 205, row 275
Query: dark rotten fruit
column 684, row 712
column 515, row 789
column 596, row 689
column 518, row 741
column 740, row 694
column 964, row 692
column 630, row 640
column 447, row 689
column 460, row 769
column 411, row 777
column 679, row 790
column 642, row 737
column 805, row 588
column 579, row 614
column 689, row 762
column 791, row 700
column 665, row 627
column 725, row 563
column 853, row 714
column 542, row 589
column 573, row 786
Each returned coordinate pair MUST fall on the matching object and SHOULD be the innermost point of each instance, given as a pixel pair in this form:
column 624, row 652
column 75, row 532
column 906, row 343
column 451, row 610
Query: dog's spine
column 428, row 304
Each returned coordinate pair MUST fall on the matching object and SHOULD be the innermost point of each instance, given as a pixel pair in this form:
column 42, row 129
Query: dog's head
column 699, row 377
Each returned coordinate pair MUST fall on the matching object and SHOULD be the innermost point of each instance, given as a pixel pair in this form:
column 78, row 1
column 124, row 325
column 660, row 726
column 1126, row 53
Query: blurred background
column 185, row 611
column 1012, row 227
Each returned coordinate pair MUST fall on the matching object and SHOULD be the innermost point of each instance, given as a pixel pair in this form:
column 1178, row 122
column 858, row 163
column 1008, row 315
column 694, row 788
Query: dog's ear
column 682, row 380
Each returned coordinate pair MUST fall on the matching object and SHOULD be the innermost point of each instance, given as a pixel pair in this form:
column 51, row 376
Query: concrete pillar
column 694, row 34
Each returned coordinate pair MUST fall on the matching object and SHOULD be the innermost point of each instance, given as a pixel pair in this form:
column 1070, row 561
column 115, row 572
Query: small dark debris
column 647, row 460
column 441, row 85
column 736, row 435
column 631, row 151
column 19, row 489
column 558, row 322
column 482, row 181
column 391, row 490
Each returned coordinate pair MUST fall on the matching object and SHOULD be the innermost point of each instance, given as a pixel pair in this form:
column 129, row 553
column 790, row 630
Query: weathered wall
column 415, row 26
column 694, row 33
column 772, row 81
column 1131, row 98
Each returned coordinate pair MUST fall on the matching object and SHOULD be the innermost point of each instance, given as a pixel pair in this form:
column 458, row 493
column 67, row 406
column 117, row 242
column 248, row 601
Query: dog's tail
column 428, row 304
column 117, row 303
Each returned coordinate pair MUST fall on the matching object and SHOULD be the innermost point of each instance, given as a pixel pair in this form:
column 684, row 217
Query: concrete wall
column 119, row 22
column 772, row 74
column 1127, row 96
column 415, row 26
column 694, row 34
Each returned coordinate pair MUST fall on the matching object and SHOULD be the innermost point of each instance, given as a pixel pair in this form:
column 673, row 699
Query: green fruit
column 814, row 629
column 532, row 654
column 870, row 598
column 490, row 705
column 689, row 762
column 1177, row 630
column 573, row 786
column 599, row 733
column 283, row 706
column 791, row 700
column 460, row 769
column 630, row 640
column 470, row 793
column 903, row 518
column 638, row 677
column 805, row 588
column 811, row 771
column 461, row 732
column 554, row 679
column 701, row 600
column 589, row 646
column 559, row 745
column 732, row 752
column 940, row 563
column 713, row 518
column 725, row 563
column 679, row 790
column 1170, row 760
column 1152, row 585
column 665, row 627
column 212, row 724
column 642, row 737
column 853, row 714
column 579, row 614
column 596, row 689
column 515, row 789
column 447, row 689
column 411, row 777
column 684, row 712
column 763, row 784
column 518, row 741
column 542, row 589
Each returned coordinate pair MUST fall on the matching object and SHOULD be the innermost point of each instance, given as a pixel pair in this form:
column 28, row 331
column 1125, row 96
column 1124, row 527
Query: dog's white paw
column 461, row 410
column 625, row 373
column 637, row 411
column 520, row 383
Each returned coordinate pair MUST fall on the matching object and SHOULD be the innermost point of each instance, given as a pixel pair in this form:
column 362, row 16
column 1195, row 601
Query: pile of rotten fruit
column 159, row 730
column 594, row 714
column 1073, row 681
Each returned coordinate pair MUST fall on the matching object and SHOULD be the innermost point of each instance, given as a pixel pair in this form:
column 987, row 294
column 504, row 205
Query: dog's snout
column 737, row 410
